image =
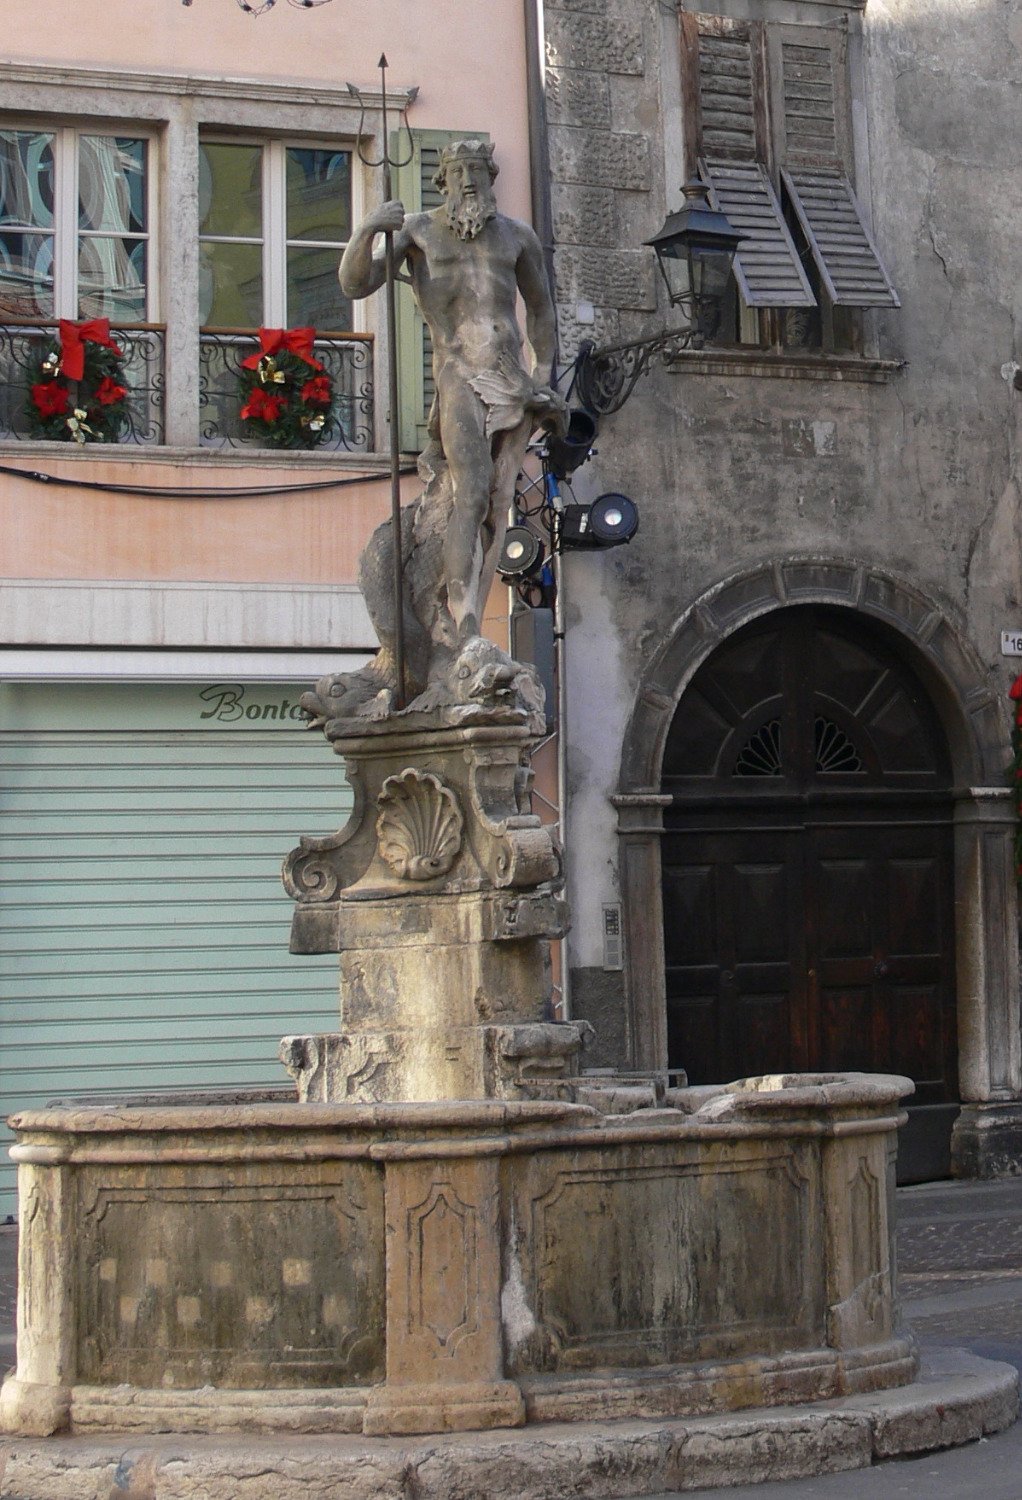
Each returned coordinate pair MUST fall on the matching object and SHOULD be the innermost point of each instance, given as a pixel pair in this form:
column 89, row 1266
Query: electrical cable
column 156, row 492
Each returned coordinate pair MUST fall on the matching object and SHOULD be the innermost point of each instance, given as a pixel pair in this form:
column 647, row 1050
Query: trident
column 387, row 163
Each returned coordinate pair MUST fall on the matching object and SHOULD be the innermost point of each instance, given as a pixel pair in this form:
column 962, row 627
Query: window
column 74, row 225
column 768, row 128
column 273, row 220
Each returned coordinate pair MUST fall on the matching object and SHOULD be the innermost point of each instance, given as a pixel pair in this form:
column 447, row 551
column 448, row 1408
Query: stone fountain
column 453, row 1226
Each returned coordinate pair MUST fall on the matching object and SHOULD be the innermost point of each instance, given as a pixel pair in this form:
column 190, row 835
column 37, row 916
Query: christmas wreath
column 287, row 393
column 75, row 393
column 1015, row 693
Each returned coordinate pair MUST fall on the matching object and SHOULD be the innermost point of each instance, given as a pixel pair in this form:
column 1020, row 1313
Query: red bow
column 73, row 338
column 297, row 341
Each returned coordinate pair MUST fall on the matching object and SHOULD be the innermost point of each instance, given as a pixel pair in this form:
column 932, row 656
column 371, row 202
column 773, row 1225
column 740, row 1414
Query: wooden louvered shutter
column 767, row 268
column 813, row 142
column 415, row 188
column 724, row 79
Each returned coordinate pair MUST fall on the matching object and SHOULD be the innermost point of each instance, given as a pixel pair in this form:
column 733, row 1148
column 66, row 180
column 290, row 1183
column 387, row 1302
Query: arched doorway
column 808, row 863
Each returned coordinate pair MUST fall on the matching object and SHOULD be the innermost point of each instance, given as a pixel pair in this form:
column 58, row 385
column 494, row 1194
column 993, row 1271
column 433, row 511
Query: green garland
column 286, row 402
column 90, row 410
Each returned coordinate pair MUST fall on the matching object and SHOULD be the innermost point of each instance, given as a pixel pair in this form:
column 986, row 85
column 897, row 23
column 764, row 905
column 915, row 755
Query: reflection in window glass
column 26, row 275
column 313, row 295
column 111, row 184
column 112, row 279
column 230, row 285
column 26, row 178
column 318, row 194
column 231, row 191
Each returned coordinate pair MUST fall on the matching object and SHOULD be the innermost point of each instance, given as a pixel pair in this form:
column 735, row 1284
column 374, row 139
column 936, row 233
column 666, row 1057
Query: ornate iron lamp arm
column 606, row 377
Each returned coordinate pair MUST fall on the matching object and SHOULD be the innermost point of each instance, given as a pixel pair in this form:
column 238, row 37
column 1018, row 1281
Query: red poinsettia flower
column 317, row 391
column 1015, row 691
column 260, row 405
column 108, row 391
column 51, row 398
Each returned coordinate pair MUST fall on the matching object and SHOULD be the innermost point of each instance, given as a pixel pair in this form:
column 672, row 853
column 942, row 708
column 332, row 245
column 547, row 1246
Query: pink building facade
column 190, row 173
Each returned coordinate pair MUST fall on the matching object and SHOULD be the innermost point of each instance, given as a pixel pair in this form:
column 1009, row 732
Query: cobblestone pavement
column 960, row 1264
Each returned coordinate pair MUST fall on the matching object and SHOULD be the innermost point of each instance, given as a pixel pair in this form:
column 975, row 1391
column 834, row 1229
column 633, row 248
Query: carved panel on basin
column 443, row 1268
column 641, row 1259
column 250, row 1284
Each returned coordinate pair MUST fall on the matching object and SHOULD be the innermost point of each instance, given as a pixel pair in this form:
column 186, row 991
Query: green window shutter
column 414, row 186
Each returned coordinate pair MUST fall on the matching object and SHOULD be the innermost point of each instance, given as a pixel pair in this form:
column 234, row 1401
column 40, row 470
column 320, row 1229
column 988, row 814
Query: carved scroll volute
column 518, row 849
column 420, row 825
column 321, row 867
column 527, row 856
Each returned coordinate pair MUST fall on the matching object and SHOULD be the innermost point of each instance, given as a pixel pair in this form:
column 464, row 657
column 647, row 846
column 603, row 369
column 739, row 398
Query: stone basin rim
column 826, row 1094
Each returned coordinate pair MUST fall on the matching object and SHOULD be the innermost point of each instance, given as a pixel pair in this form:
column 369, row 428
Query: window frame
column 67, row 234
column 274, row 241
column 172, row 110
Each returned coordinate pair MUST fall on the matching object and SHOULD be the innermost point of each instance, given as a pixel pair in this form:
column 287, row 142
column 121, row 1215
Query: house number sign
column 1011, row 642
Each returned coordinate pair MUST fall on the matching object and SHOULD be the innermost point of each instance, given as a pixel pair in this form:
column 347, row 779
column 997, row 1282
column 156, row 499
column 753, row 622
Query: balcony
column 23, row 345
column 347, row 358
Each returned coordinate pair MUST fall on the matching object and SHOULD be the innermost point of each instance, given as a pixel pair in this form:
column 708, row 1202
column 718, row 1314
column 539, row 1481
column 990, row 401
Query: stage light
column 611, row 520
column 521, row 555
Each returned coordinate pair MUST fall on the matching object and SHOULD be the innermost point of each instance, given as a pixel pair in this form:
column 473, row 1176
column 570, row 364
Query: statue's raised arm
column 363, row 270
column 467, row 264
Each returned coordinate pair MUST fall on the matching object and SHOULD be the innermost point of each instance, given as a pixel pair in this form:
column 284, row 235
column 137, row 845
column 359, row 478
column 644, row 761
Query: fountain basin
column 403, row 1268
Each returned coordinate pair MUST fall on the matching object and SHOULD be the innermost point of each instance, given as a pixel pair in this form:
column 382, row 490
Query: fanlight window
column 834, row 752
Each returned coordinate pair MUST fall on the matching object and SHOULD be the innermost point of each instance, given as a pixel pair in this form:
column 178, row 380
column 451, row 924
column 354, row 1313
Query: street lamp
column 694, row 250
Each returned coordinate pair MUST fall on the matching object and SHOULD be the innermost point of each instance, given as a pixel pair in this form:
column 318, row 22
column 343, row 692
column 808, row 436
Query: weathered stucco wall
column 914, row 471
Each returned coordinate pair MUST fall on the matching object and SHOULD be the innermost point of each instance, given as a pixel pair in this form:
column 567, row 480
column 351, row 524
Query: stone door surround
column 935, row 643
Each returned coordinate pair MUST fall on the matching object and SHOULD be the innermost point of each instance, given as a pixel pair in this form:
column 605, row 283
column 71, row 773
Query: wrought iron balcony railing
column 22, row 345
column 347, row 357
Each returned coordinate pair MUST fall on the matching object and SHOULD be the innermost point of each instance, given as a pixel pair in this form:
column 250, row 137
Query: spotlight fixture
column 521, row 555
column 565, row 454
column 611, row 520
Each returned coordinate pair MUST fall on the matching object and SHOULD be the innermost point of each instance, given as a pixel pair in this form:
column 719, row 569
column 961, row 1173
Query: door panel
column 808, row 861
column 734, row 997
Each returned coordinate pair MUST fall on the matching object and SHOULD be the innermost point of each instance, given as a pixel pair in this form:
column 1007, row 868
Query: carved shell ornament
column 419, row 825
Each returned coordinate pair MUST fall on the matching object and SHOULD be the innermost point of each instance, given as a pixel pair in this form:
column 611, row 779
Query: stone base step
column 956, row 1399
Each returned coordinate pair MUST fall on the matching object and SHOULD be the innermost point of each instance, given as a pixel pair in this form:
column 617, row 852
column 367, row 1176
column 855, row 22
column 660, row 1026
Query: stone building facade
column 787, row 697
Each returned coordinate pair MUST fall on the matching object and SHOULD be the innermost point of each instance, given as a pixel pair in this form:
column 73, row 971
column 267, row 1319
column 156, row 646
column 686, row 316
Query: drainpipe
column 543, row 223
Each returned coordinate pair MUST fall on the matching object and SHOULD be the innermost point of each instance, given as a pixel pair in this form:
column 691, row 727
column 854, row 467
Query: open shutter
column 813, row 142
column 767, row 267
column 842, row 246
column 414, row 186
column 726, row 93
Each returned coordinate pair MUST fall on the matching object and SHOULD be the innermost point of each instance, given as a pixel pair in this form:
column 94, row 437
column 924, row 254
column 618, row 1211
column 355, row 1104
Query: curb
column 957, row 1398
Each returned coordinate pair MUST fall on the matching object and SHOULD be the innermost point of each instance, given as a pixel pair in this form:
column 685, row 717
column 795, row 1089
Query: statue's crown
column 467, row 150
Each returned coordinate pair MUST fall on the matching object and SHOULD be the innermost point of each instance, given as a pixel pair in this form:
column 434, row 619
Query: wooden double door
column 807, row 859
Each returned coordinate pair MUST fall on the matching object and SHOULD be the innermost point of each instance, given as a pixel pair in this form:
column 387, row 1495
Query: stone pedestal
column 441, row 897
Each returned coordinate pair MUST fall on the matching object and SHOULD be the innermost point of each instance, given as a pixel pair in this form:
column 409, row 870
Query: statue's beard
column 468, row 216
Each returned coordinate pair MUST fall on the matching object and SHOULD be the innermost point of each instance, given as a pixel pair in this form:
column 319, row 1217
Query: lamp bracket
column 605, row 377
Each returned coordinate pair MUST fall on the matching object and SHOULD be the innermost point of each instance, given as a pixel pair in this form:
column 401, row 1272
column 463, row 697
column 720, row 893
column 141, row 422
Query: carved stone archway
column 936, row 646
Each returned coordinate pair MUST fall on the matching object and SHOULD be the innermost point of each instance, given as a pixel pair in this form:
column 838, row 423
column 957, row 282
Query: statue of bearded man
column 467, row 264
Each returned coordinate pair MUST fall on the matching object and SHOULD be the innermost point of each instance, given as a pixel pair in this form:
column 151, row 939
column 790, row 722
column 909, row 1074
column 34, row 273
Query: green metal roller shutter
column 143, row 926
